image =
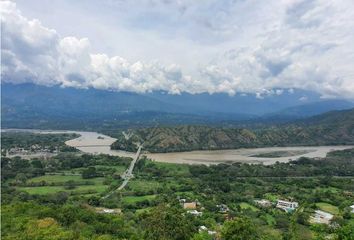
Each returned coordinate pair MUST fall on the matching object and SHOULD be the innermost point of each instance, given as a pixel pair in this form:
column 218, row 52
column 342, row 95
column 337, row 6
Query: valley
column 96, row 143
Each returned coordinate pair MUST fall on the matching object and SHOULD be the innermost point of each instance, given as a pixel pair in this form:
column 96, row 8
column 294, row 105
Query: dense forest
column 332, row 128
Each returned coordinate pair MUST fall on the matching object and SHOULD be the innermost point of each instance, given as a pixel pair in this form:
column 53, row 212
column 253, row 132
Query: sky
column 215, row 46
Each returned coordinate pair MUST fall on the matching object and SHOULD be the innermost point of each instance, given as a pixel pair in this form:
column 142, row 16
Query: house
column 352, row 207
column 263, row 203
column 223, row 208
column 321, row 217
column 190, row 205
column 182, row 200
column 287, row 206
column 205, row 229
column 195, row 213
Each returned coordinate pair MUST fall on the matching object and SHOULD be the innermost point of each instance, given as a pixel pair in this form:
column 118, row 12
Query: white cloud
column 220, row 46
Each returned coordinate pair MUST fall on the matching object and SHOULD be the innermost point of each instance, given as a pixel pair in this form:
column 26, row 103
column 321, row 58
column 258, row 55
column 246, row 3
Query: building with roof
column 195, row 213
column 321, row 217
column 190, row 205
column 287, row 206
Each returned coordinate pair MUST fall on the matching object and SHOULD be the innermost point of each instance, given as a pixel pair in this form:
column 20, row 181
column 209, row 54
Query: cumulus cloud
column 34, row 53
column 250, row 47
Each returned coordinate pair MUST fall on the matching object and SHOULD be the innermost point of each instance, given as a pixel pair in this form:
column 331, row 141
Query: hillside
column 331, row 128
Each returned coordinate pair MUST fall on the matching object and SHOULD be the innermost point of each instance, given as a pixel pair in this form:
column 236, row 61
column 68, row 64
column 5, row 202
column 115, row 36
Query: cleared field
column 328, row 207
column 245, row 205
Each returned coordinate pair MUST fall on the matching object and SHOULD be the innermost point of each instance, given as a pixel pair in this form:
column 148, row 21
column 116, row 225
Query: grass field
column 143, row 185
column 245, row 205
column 135, row 199
column 96, row 184
column 54, row 189
column 328, row 208
column 174, row 169
column 64, row 178
column 118, row 169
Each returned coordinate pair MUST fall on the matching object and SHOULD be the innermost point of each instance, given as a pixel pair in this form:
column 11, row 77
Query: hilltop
column 332, row 128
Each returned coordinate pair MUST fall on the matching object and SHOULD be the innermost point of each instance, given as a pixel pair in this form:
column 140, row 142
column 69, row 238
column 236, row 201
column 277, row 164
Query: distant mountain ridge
column 29, row 105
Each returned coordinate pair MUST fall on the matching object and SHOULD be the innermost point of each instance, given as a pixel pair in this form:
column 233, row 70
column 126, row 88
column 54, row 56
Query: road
column 128, row 174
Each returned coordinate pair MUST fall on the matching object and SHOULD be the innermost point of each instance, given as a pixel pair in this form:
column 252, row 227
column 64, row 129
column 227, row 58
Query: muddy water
column 95, row 143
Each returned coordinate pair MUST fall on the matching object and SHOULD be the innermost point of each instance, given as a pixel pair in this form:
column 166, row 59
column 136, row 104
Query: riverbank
column 96, row 143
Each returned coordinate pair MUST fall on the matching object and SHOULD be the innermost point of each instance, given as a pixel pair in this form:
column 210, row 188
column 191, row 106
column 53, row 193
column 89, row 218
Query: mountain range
column 29, row 105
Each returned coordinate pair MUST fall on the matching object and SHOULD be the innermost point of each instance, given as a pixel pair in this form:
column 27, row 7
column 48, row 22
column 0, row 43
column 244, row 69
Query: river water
column 96, row 143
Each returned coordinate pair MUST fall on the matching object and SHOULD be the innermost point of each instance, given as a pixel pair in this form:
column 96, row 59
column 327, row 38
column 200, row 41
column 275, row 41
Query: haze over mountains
column 30, row 104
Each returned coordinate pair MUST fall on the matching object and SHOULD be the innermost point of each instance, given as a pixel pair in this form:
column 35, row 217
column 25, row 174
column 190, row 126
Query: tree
column 346, row 232
column 69, row 185
column 202, row 236
column 239, row 229
column 167, row 223
column 36, row 163
column 21, row 178
column 89, row 172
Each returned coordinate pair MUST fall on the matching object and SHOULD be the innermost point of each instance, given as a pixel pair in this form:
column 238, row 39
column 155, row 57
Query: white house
column 205, row 229
column 287, row 206
column 321, row 217
column 352, row 207
column 195, row 212
column 223, row 208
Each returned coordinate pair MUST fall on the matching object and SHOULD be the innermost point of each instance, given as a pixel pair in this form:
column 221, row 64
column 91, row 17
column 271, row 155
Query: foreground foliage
column 151, row 207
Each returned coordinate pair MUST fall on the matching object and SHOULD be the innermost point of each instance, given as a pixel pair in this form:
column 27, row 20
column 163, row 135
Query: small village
column 34, row 149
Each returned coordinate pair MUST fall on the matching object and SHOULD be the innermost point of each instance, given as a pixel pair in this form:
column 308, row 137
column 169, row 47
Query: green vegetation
column 328, row 208
column 50, row 199
column 276, row 154
column 244, row 205
column 329, row 129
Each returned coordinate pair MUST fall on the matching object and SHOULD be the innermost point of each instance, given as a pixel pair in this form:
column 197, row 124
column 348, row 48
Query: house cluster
column 191, row 207
column 287, row 206
column 33, row 149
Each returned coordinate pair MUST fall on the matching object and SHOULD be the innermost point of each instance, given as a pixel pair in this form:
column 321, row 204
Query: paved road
column 128, row 174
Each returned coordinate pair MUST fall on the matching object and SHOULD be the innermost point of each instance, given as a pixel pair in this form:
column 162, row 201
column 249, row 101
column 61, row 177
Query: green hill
column 331, row 128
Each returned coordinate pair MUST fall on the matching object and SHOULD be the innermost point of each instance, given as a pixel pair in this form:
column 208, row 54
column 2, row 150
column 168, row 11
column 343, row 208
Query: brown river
column 96, row 143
